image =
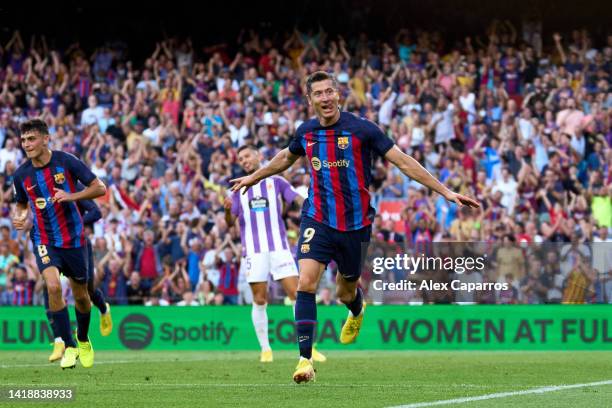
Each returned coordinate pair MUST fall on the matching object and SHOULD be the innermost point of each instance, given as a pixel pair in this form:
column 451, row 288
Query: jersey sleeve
column 287, row 191
column 79, row 170
column 295, row 145
column 378, row 140
column 236, row 204
column 89, row 210
column 20, row 194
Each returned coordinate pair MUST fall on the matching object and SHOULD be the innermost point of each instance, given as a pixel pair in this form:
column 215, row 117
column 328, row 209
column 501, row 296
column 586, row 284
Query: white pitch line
column 540, row 390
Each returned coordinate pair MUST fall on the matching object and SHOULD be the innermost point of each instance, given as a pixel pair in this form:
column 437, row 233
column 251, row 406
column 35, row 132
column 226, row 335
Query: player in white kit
column 265, row 248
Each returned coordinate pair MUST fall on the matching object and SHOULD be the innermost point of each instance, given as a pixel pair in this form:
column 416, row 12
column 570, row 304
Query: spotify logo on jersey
column 317, row 164
column 136, row 331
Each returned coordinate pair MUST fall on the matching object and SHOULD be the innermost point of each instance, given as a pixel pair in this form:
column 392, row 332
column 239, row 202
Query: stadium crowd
column 517, row 119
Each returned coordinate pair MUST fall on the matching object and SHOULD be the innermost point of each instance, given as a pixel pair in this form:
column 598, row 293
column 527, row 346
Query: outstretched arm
column 279, row 163
column 411, row 168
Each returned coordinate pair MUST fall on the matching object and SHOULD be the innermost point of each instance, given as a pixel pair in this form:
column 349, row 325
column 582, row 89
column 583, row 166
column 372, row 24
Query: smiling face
column 324, row 99
column 34, row 143
column 248, row 160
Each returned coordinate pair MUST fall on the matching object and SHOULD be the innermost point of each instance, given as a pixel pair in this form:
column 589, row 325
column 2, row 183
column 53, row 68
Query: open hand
column 240, row 182
column 462, row 200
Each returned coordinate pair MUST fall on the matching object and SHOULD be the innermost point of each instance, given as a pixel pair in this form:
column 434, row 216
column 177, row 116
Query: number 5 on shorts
column 308, row 235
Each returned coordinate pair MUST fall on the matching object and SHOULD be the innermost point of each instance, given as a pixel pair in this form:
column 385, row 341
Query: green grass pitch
column 349, row 379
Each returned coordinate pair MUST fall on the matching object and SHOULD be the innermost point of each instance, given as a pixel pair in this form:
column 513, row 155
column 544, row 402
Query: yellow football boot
column 304, row 371
column 86, row 354
column 318, row 356
column 351, row 327
column 58, row 351
column 71, row 355
column 266, row 357
column 106, row 322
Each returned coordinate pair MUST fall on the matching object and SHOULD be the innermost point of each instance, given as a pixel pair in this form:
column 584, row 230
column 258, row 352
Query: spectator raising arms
column 521, row 122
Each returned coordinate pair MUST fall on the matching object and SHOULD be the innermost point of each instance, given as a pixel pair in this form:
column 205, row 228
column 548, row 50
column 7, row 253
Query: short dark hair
column 246, row 146
column 319, row 76
column 34, row 125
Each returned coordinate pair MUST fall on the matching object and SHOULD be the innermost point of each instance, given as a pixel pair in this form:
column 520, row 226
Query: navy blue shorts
column 323, row 243
column 71, row 262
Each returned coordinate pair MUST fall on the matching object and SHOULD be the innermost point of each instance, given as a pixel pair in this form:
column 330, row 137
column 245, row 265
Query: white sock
column 260, row 322
column 58, row 340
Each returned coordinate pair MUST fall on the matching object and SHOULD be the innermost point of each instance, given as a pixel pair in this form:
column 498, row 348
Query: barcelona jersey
column 54, row 224
column 341, row 158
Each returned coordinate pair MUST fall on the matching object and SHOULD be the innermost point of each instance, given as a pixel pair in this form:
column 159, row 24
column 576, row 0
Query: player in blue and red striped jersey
column 46, row 185
column 91, row 213
column 337, row 215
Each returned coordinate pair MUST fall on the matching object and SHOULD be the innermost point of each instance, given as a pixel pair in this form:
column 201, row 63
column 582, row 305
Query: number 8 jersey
column 55, row 224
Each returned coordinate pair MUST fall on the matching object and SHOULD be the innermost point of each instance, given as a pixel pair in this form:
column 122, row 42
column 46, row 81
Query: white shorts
column 257, row 267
